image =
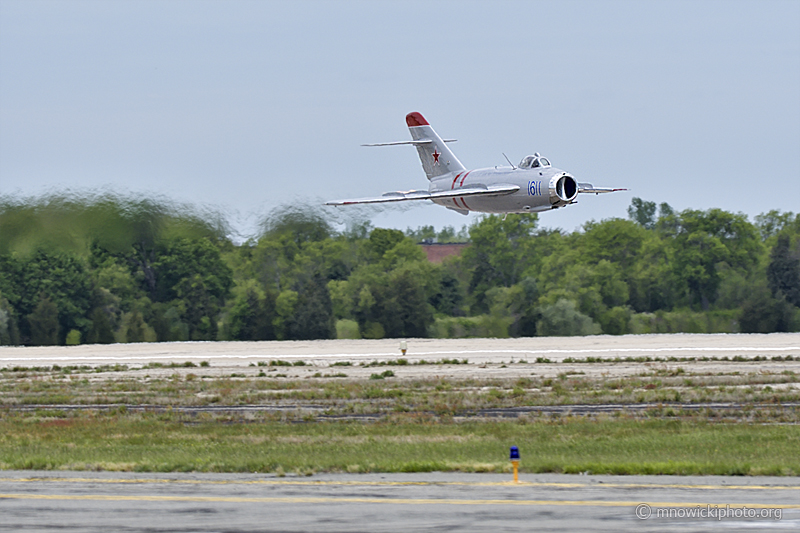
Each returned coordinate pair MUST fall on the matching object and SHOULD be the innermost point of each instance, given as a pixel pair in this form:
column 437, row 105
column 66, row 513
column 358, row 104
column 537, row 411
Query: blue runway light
column 514, row 453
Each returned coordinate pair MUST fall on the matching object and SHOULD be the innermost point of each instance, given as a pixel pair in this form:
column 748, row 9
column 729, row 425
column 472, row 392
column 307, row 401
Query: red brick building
column 437, row 252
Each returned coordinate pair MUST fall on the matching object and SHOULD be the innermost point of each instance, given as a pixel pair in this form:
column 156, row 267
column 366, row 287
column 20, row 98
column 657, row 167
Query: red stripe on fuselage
column 453, row 186
column 461, row 185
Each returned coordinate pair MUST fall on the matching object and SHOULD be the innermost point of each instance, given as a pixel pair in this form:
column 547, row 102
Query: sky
column 245, row 106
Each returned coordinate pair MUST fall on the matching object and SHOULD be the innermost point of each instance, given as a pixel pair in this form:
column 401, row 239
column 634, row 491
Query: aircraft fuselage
column 540, row 189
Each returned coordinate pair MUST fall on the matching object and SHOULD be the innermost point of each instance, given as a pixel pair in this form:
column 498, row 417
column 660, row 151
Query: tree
column 448, row 234
column 167, row 323
column 651, row 283
column 393, row 304
column 528, row 313
column 300, row 223
column 335, row 258
column 665, row 210
column 117, row 279
column 522, row 305
column 615, row 321
column 199, row 306
column 88, row 225
column 63, row 280
column 251, row 317
column 9, row 331
column 449, row 297
column 428, row 234
column 285, row 305
column 773, row 222
column 702, row 240
column 101, row 331
column 643, row 213
column 313, row 313
column 425, row 234
column 616, row 240
column 383, row 240
column 496, row 256
column 783, row 272
column 44, row 323
column 762, row 313
column 134, row 328
column 182, row 259
column 408, row 302
column 143, row 226
column 192, row 275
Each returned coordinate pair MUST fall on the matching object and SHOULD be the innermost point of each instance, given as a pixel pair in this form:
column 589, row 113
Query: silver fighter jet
column 532, row 186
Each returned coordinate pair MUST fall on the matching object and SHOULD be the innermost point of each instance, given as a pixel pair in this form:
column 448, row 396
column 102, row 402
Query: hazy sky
column 246, row 105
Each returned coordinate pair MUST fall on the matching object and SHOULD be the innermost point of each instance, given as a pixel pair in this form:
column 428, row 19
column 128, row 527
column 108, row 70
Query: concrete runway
column 227, row 353
column 110, row 501
column 486, row 356
column 544, row 357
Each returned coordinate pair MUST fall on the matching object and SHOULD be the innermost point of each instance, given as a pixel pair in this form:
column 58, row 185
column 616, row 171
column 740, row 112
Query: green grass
column 167, row 442
column 415, row 429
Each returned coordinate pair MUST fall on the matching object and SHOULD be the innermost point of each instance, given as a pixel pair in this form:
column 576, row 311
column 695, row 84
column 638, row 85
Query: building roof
column 436, row 252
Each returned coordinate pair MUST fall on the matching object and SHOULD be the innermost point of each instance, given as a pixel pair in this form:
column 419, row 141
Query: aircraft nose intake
column 563, row 189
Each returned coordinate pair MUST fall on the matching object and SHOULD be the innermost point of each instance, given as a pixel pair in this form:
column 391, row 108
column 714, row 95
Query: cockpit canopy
column 534, row 161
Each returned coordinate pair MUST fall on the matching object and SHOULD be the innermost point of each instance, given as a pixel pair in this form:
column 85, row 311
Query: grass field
column 425, row 421
column 169, row 442
column 385, row 390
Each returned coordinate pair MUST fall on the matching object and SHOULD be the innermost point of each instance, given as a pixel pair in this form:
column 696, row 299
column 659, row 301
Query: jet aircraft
column 532, row 186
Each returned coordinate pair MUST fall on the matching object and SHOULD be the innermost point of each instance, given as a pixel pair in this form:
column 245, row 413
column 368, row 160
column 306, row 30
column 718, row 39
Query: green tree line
column 104, row 269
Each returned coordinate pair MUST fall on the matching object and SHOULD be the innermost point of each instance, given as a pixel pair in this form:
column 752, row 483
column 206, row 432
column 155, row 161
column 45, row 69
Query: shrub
column 685, row 321
column 373, row 330
column 73, row 337
column 347, row 329
column 454, row 327
column 562, row 319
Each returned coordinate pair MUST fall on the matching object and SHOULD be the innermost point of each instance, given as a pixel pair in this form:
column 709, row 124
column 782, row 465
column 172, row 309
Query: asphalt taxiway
column 112, row 501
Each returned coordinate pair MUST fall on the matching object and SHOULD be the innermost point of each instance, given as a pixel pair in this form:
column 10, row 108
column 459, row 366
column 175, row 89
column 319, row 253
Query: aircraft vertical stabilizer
column 437, row 159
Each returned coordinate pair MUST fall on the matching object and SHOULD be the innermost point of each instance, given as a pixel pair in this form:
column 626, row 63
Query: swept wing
column 420, row 142
column 402, row 196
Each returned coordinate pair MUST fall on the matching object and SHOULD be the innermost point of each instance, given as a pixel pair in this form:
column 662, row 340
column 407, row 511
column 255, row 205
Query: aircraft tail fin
column 437, row 159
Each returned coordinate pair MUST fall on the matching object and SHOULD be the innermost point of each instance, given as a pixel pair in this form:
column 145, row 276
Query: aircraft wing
column 588, row 187
column 419, row 142
column 402, row 196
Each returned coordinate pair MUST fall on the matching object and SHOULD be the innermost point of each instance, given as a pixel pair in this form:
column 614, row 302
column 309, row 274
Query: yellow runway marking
column 396, row 483
column 394, row 501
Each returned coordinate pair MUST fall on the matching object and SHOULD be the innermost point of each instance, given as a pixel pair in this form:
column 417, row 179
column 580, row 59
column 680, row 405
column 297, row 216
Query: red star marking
column 435, row 155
